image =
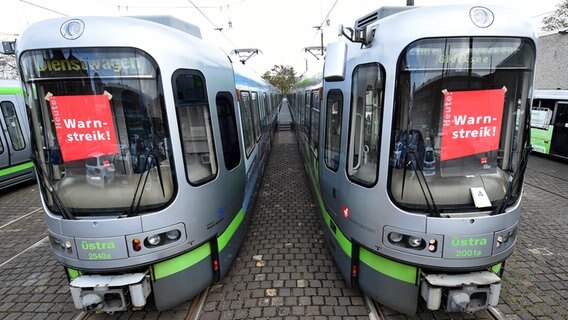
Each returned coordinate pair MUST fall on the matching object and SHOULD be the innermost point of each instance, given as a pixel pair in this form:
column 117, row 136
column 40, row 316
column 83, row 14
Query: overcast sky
column 279, row 28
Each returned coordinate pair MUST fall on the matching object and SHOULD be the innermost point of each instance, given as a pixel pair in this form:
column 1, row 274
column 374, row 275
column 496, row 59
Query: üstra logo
column 97, row 245
column 468, row 242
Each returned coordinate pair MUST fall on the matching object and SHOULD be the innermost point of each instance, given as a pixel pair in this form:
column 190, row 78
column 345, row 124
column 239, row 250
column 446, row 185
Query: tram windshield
column 460, row 124
column 100, row 131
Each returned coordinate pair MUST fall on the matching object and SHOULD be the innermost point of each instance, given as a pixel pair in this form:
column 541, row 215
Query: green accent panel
column 11, row 90
column 73, row 273
column 496, row 268
column 383, row 265
column 224, row 238
column 339, row 236
column 16, row 168
column 388, row 267
column 541, row 139
column 179, row 263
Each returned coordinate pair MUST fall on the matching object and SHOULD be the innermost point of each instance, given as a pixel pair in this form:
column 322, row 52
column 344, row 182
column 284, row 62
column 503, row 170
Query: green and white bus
column 549, row 122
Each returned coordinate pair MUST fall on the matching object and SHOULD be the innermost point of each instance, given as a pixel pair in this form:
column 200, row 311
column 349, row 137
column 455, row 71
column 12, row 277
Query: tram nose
column 468, row 299
column 91, row 301
column 468, row 292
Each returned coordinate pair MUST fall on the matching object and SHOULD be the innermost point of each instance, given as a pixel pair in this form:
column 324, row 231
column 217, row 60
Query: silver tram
column 148, row 145
column 416, row 137
column 15, row 147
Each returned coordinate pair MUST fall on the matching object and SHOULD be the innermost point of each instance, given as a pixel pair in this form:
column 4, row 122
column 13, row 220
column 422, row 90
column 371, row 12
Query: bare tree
column 557, row 20
column 8, row 68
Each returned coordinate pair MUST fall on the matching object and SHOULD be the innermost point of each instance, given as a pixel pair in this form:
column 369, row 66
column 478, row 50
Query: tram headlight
column 415, row 242
column 395, row 237
column 154, row 240
column 72, row 29
column 481, row 16
column 173, row 234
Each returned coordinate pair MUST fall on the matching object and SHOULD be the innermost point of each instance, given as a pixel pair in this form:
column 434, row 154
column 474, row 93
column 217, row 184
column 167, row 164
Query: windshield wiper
column 517, row 178
column 48, row 187
column 150, row 162
column 433, row 209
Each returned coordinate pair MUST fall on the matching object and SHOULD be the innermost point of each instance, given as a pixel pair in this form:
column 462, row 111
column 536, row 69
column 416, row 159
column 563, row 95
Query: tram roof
column 173, row 22
column 551, row 94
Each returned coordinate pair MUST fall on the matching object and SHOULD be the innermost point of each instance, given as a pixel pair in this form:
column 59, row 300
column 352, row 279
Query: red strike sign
column 83, row 125
column 471, row 122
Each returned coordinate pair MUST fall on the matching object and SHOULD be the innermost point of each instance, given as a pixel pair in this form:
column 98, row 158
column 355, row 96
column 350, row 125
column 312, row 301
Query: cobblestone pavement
column 536, row 276
column 284, row 270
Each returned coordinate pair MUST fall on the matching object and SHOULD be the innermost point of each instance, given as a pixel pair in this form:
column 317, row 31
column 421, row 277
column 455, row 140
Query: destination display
column 88, row 62
column 462, row 54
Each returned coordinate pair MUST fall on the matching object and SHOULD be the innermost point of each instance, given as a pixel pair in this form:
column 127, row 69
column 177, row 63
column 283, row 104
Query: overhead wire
column 324, row 19
column 212, row 23
column 8, row 34
column 190, row 1
column 44, row 8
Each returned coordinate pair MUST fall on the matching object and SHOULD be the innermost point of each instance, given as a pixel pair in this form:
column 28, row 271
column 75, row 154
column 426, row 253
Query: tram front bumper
column 109, row 293
column 469, row 292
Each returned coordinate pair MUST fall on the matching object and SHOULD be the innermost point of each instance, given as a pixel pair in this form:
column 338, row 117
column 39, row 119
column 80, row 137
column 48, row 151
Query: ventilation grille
column 380, row 14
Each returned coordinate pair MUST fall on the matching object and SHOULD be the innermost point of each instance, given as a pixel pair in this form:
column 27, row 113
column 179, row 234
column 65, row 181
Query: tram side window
column 246, row 118
column 255, row 113
column 228, row 130
column 365, row 127
column 333, row 129
column 13, row 125
column 194, row 121
column 301, row 110
column 267, row 109
column 308, row 118
column 315, row 98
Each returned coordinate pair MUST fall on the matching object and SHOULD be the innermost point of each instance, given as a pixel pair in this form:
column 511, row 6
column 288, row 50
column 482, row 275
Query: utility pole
column 321, row 37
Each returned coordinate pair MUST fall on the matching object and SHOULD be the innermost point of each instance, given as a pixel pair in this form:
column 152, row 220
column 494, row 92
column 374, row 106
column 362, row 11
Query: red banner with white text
column 84, row 126
column 471, row 122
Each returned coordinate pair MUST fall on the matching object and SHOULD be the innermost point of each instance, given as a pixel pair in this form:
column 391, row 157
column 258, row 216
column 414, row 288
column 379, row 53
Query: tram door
column 559, row 145
column 330, row 169
column 13, row 148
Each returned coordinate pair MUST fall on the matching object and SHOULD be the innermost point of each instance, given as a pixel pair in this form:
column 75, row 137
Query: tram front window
column 459, row 132
column 100, row 130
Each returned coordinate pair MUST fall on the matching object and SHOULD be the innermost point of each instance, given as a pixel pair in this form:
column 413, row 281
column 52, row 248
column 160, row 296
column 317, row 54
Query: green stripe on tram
column 496, row 268
column 14, row 169
column 167, row 268
column 339, row 236
column 11, row 90
column 73, row 273
column 390, row 268
column 226, row 236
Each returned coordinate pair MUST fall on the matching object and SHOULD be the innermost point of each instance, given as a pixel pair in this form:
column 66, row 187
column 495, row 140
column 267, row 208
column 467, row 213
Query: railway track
column 547, row 190
column 19, row 218
column 377, row 312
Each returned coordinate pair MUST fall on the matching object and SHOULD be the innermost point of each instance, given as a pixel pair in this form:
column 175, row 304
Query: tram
column 549, row 123
column 15, row 147
column 148, row 146
column 415, row 140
